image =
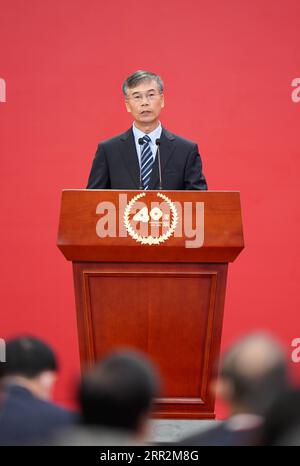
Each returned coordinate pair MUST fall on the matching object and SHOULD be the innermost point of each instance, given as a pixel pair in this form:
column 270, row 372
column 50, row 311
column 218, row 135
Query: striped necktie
column 146, row 162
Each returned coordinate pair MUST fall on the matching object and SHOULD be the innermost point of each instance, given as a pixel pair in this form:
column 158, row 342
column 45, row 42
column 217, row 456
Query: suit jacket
column 116, row 164
column 96, row 435
column 28, row 420
column 223, row 435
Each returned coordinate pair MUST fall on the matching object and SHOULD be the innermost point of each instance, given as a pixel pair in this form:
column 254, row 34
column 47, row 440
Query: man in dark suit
column 116, row 398
column 27, row 417
column 131, row 160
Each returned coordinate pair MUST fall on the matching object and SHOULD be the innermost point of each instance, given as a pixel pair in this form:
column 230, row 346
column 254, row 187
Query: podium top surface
column 150, row 226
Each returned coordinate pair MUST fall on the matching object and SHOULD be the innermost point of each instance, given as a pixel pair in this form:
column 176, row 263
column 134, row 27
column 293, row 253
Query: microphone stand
column 157, row 142
column 141, row 143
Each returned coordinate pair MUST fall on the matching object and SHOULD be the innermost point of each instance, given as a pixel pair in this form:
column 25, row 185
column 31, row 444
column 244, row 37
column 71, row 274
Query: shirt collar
column 155, row 134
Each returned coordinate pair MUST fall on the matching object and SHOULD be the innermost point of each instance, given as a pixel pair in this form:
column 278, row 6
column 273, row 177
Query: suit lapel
column 167, row 146
column 129, row 155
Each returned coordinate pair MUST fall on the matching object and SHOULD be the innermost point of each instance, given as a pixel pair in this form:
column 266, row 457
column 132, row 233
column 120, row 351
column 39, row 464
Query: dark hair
column 118, row 391
column 257, row 387
column 28, row 357
column 140, row 76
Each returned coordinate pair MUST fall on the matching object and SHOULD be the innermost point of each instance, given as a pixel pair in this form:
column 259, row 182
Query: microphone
column 157, row 142
column 141, row 143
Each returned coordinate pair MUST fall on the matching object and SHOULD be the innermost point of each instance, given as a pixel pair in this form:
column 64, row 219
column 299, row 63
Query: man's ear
column 163, row 101
column 224, row 389
column 127, row 106
column 46, row 382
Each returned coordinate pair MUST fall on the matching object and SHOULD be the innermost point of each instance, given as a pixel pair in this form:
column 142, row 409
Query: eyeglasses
column 151, row 95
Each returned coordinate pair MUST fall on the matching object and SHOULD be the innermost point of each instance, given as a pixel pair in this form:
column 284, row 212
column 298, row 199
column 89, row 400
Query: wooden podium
column 165, row 298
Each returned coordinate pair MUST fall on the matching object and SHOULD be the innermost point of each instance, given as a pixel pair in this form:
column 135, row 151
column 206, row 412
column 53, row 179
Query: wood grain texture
column 171, row 312
column 78, row 241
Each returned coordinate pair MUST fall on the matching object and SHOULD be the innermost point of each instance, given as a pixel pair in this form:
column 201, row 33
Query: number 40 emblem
column 152, row 216
column 143, row 215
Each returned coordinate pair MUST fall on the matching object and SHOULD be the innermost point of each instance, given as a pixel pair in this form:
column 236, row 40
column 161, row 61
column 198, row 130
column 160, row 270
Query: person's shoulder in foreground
column 27, row 415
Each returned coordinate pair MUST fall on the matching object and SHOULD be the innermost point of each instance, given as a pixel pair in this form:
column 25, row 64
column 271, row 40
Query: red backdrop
column 228, row 68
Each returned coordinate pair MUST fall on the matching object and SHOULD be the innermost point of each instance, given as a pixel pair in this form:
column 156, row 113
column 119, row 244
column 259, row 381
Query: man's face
column 145, row 102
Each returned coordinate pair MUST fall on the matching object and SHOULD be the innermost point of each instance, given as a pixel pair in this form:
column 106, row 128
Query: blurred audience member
column 252, row 375
column 116, row 398
column 27, row 377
